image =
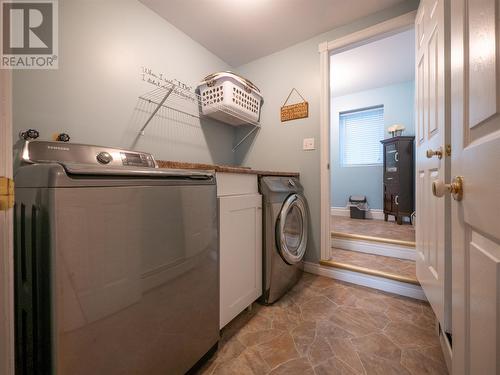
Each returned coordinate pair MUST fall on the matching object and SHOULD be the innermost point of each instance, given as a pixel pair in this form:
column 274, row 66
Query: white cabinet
column 240, row 232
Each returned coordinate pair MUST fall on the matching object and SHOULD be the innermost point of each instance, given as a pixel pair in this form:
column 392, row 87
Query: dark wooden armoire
column 399, row 177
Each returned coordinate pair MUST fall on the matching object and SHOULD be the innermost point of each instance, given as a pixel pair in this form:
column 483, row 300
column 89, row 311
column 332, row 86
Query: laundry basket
column 230, row 98
column 358, row 206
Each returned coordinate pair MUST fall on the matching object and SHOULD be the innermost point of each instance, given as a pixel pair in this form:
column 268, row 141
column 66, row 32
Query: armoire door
column 475, row 115
column 432, row 135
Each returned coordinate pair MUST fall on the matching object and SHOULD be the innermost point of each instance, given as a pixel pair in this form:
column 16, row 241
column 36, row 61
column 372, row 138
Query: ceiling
column 383, row 62
column 239, row 31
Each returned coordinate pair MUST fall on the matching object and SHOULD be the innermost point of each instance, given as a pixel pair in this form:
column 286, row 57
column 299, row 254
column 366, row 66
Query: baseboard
column 377, row 248
column 375, row 282
column 372, row 213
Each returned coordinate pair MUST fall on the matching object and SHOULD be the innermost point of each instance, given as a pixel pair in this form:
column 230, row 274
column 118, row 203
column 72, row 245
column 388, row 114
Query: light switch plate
column 308, row 144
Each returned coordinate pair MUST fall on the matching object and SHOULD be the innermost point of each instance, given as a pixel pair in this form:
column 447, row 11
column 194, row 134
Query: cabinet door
column 391, row 158
column 391, row 200
column 240, row 219
column 387, row 199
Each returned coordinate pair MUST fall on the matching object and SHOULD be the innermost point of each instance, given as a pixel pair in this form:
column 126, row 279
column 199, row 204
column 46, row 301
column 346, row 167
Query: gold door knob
column 430, row 153
column 439, row 188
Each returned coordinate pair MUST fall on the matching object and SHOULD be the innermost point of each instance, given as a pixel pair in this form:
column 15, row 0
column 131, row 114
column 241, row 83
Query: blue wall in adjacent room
column 398, row 101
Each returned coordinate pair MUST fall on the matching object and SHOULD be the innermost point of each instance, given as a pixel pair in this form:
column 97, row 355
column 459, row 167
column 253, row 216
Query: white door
column 432, row 132
column 6, row 230
column 475, row 115
column 240, row 231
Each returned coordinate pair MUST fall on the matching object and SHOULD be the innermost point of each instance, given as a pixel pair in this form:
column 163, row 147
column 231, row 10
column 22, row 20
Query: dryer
column 116, row 262
column 286, row 222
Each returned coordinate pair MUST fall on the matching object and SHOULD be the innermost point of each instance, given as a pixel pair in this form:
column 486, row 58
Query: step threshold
column 371, row 238
column 369, row 271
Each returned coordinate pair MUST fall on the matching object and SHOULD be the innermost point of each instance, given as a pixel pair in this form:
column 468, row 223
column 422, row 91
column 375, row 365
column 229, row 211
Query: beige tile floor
column 374, row 228
column 396, row 266
column 323, row 326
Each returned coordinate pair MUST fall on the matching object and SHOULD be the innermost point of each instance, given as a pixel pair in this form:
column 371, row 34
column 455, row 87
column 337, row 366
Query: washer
column 286, row 222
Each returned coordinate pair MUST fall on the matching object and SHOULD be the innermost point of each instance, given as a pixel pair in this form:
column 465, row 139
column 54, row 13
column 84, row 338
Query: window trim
column 342, row 137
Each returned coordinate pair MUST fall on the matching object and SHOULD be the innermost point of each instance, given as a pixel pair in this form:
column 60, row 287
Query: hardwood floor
column 373, row 228
column 324, row 326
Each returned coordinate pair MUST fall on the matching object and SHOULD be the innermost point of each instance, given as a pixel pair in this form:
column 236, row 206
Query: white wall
column 94, row 95
column 279, row 145
column 398, row 101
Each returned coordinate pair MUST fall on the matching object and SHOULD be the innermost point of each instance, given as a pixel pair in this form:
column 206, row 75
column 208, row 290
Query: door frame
column 6, row 231
column 390, row 27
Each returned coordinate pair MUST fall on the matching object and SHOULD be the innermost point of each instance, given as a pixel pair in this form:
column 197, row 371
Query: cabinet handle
column 396, row 156
column 396, row 200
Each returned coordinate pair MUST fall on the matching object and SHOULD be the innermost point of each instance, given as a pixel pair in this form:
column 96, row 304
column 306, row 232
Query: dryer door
column 291, row 229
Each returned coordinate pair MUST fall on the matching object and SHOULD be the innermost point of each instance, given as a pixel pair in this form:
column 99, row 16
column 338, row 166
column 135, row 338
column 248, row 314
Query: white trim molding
column 377, row 248
column 6, row 232
column 372, row 213
column 380, row 30
column 374, row 282
column 325, row 151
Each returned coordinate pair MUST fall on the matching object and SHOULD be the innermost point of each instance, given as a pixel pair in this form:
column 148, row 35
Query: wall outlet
column 308, row 144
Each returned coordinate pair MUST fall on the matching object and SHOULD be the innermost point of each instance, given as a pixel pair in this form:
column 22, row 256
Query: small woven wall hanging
column 294, row 111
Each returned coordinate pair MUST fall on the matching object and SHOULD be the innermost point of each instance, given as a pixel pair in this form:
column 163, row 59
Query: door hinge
column 448, row 150
column 6, row 193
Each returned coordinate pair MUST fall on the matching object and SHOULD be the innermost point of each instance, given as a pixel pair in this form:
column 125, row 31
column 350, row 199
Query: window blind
column 360, row 134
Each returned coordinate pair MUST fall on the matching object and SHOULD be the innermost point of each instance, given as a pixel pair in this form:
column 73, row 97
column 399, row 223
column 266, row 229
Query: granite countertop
column 221, row 168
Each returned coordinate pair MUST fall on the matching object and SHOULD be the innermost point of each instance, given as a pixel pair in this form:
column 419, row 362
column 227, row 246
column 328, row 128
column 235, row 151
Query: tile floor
column 396, row 266
column 374, row 228
column 323, row 326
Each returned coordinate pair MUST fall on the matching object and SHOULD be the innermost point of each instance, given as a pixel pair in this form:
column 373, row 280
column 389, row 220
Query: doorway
column 373, row 239
column 372, row 96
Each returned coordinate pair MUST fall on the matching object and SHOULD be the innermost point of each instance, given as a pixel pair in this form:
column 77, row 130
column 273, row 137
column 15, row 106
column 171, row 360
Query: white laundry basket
column 230, row 98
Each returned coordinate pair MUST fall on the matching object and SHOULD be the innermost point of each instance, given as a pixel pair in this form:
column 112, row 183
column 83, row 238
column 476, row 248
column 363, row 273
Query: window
column 361, row 131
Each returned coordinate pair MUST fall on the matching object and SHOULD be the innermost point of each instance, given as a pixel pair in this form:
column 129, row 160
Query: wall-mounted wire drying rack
column 168, row 95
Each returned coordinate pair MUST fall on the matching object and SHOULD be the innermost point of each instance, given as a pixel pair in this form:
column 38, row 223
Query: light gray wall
column 94, row 95
column 398, row 102
column 279, row 145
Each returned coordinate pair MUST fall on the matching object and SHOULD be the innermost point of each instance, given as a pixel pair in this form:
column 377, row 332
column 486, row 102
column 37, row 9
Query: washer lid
column 291, row 229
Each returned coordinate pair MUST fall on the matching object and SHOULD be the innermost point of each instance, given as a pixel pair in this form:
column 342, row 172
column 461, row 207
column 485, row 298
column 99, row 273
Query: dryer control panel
column 63, row 152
